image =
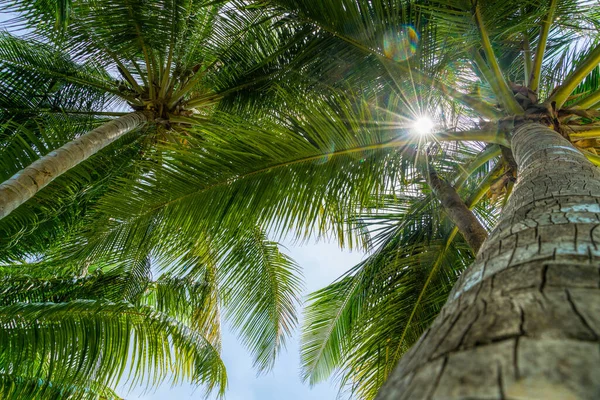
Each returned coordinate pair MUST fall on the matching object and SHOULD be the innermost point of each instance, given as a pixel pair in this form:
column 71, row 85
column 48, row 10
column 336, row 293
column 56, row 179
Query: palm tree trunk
column 523, row 322
column 27, row 182
column 458, row 212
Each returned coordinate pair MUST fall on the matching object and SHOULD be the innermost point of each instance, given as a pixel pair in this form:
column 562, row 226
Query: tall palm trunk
column 523, row 322
column 27, row 182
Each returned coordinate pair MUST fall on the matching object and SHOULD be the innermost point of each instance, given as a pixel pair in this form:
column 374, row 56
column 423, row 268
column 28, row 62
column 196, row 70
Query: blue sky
column 322, row 263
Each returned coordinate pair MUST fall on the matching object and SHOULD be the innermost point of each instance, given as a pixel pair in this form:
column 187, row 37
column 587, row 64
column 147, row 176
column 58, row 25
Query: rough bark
column 27, row 182
column 458, row 212
column 523, row 322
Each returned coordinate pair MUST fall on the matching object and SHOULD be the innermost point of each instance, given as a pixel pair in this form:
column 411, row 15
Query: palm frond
column 101, row 340
column 117, row 284
column 38, row 75
column 260, row 288
column 194, row 302
column 26, row 387
column 361, row 325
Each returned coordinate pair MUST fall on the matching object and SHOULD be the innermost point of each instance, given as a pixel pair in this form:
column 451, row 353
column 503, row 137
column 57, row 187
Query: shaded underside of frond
column 98, row 340
column 25, row 388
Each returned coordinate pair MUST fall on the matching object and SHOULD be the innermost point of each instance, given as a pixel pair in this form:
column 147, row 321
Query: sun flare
column 423, row 125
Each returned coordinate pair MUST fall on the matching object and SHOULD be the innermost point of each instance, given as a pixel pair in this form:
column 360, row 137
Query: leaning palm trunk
column 27, row 182
column 523, row 322
column 458, row 212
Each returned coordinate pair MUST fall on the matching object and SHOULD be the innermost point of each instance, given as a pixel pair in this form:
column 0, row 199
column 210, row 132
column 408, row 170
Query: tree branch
column 489, row 153
column 588, row 101
column 528, row 66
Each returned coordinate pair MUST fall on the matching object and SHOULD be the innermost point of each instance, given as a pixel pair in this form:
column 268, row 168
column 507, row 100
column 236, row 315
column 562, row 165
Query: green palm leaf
column 24, row 387
column 262, row 305
column 100, row 340
column 194, row 302
column 38, row 75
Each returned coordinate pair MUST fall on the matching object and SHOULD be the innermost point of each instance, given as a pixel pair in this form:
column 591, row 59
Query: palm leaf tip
column 261, row 292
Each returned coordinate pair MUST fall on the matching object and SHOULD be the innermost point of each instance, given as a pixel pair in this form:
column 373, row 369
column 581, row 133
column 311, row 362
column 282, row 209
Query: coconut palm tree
column 164, row 78
column 529, row 72
column 491, row 72
column 64, row 150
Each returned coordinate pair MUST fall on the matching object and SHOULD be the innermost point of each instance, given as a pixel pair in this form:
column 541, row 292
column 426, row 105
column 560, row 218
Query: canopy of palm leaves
column 288, row 115
column 56, row 86
column 76, row 336
column 497, row 63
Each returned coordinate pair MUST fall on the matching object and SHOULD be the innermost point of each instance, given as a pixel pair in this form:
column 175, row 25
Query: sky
column 322, row 263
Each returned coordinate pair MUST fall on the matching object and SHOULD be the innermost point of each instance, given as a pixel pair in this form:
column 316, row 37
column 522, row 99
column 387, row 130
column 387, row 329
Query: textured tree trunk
column 523, row 322
column 27, row 182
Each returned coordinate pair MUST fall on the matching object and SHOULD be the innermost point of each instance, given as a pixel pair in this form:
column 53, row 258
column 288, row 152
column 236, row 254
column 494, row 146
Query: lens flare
column 401, row 45
column 423, row 126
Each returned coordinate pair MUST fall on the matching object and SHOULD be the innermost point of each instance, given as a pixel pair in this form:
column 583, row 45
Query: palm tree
column 58, row 139
column 174, row 61
column 529, row 72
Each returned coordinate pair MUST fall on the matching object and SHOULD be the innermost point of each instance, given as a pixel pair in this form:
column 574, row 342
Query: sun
column 423, row 125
